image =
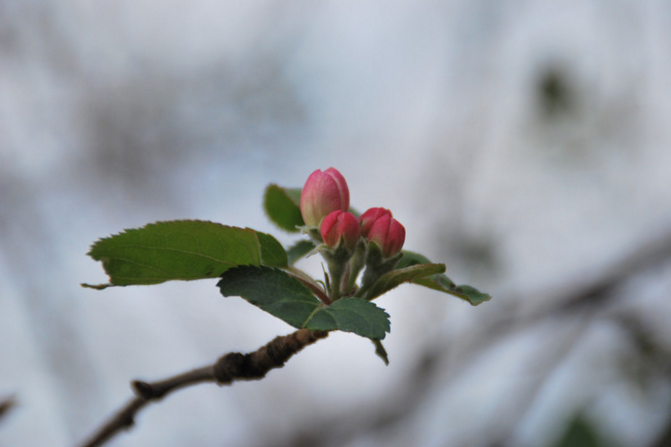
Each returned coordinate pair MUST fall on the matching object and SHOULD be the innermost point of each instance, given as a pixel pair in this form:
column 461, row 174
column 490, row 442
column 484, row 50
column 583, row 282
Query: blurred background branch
column 6, row 405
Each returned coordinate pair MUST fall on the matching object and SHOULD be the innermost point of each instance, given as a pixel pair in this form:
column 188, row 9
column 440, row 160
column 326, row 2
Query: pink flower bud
column 368, row 218
column 388, row 234
column 341, row 227
column 323, row 193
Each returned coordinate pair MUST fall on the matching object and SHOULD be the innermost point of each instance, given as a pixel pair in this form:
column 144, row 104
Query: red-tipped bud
column 368, row 218
column 388, row 234
column 323, row 193
column 339, row 228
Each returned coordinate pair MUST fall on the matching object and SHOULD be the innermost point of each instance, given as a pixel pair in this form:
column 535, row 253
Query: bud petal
column 388, row 234
column 323, row 193
column 340, row 228
column 368, row 218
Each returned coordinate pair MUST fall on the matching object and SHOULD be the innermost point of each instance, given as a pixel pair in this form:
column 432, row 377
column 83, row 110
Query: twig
column 6, row 405
column 229, row 368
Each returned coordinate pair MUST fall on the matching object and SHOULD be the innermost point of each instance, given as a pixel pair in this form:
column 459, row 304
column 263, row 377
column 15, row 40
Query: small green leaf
column 182, row 250
column 397, row 277
column 282, row 206
column 286, row 298
column 440, row 282
column 467, row 293
column 299, row 250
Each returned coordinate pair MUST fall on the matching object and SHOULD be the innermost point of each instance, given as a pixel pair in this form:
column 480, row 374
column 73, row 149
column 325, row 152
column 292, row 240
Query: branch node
column 144, row 389
column 229, row 367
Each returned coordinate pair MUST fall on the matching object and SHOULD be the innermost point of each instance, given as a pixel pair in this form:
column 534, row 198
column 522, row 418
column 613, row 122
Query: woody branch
column 228, row 369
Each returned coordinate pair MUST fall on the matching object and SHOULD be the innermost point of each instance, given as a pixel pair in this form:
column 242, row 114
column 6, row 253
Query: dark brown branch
column 6, row 405
column 229, row 368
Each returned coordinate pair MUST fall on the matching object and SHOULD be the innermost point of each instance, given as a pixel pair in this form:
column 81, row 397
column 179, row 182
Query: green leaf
column 440, row 282
column 579, row 433
column 285, row 297
column 272, row 290
column 397, row 277
column 299, row 250
column 352, row 315
column 411, row 258
column 272, row 252
column 282, row 206
column 466, row 293
column 295, row 194
column 184, row 250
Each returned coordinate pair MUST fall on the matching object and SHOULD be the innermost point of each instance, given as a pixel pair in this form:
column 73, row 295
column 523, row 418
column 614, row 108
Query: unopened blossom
column 323, row 193
column 388, row 234
column 368, row 218
column 341, row 228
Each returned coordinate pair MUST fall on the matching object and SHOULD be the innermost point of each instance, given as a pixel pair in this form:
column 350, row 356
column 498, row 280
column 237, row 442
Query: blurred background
column 524, row 144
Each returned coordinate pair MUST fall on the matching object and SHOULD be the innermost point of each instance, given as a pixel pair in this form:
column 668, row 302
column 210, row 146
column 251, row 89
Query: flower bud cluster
column 375, row 239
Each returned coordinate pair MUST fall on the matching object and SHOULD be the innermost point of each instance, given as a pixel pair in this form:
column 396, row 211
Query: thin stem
column 336, row 269
column 310, row 283
column 356, row 264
